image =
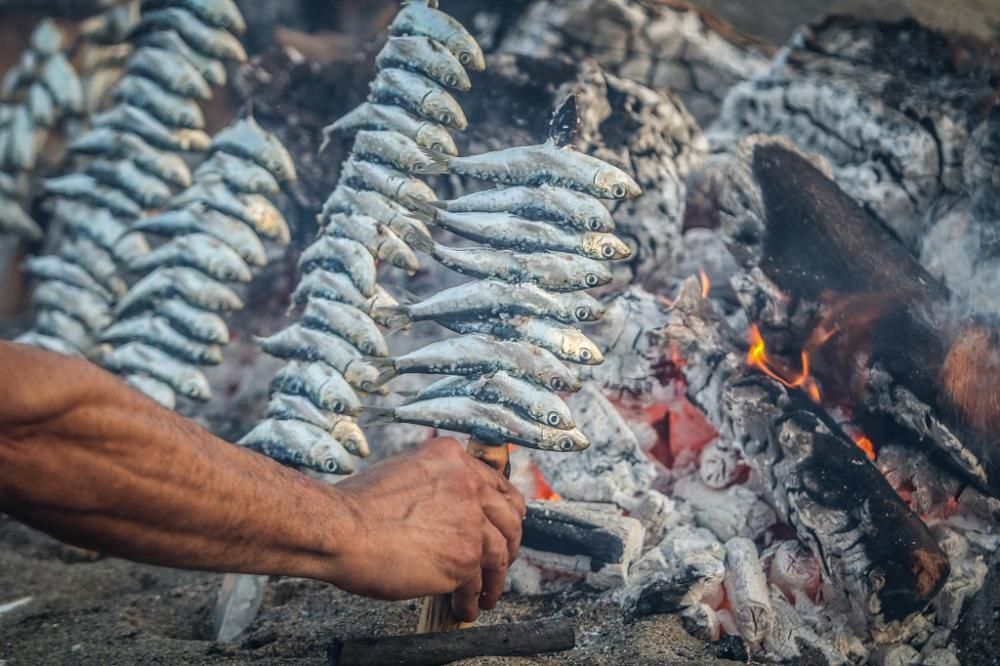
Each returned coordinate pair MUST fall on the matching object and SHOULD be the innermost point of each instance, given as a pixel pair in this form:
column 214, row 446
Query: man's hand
column 432, row 522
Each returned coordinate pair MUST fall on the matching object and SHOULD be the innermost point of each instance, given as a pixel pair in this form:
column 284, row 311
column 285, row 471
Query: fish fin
column 440, row 163
column 396, row 317
column 327, row 137
column 565, row 124
column 421, row 210
column 386, row 368
column 373, row 415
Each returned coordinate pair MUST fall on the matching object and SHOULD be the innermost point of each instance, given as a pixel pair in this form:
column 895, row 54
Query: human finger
column 506, row 518
column 465, row 599
column 495, row 563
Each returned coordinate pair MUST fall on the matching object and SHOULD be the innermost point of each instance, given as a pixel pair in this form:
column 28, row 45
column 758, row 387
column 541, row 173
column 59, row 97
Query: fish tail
column 396, row 317
column 421, row 210
column 374, row 415
column 418, row 240
column 440, row 163
column 386, row 368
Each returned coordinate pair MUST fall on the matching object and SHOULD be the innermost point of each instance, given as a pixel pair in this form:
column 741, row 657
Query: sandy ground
column 110, row 612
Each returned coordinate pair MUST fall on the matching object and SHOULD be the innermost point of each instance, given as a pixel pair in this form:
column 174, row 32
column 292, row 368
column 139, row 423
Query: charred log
column 873, row 548
column 936, row 376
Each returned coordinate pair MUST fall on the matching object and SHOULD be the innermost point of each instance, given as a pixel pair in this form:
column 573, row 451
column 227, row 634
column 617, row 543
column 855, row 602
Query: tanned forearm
column 88, row 460
column 93, row 463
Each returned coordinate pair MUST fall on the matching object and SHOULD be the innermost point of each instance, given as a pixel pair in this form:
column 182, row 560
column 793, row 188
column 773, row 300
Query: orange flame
column 543, row 490
column 866, row 445
column 757, row 358
column 706, row 284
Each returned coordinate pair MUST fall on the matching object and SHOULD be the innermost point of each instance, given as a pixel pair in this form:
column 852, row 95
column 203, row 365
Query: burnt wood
column 555, row 528
column 818, row 244
column 871, row 545
column 507, row 640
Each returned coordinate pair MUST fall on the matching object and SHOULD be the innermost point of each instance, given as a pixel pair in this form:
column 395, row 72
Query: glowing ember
column 757, row 358
column 706, row 285
column 866, row 445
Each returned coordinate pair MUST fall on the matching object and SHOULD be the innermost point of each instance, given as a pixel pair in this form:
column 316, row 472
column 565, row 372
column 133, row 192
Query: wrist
column 338, row 518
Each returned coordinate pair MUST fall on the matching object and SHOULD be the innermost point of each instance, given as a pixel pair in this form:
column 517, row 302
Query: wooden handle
column 435, row 615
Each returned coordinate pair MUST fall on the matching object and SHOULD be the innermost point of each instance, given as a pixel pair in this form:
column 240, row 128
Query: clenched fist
column 431, row 522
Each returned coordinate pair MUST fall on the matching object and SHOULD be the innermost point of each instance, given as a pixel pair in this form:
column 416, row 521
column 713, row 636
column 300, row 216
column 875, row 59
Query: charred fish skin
column 140, row 358
column 382, row 242
column 491, row 298
column 488, row 423
column 503, row 388
column 480, row 355
column 153, row 389
column 363, row 175
column 546, row 202
column 503, row 230
column 157, row 332
column 389, row 147
column 297, row 343
column 418, row 94
column 553, row 271
column 565, row 342
column 191, row 285
column 196, row 323
column 199, row 251
column 371, row 116
column 343, row 255
column 285, row 407
column 247, row 139
column 299, row 444
column 424, row 56
column 349, row 323
column 542, row 164
column 166, row 106
column 417, row 18
column 320, row 383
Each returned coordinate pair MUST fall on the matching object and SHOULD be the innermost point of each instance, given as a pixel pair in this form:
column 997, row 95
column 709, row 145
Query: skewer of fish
column 104, row 51
column 131, row 158
column 540, row 242
column 411, row 106
column 211, row 235
column 37, row 93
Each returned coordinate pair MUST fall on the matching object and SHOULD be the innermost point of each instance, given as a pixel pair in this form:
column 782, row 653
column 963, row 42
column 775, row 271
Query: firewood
column 507, row 640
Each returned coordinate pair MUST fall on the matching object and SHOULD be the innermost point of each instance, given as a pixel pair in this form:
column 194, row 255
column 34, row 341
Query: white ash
column 635, row 349
column 794, row 570
column 967, row 576
column 658, row 514
column 746, row 588
column 895, row 655
column 659, row 46
column 704, row 250
column 614, row 469
column 790, row 636
column 733, row 512
column 720, row 464
column 895, row 134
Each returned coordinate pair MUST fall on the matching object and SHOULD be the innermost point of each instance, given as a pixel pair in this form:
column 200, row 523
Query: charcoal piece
column 975, row 636
column 872, row 546
column 575, row 528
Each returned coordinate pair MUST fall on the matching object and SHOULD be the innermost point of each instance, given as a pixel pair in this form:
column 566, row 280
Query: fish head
column 442, row 107
column 327, row 457
column 224, row 14
column 436, row 137
column 565, row 441
column 193, row 140
column 584, row 307
column 606, row 247
column 364, row 377
column 448, row 72
column 194, row 385
column 581, row 349
column 349, row 434
column 467, row 50
column 194, row 86
column 593, row 274
column 560, row 378
column 610, row 182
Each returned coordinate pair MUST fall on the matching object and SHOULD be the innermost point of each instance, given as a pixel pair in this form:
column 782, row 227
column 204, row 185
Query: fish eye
column 607, row 251
column 437, row 146
column 618, row 191
column 582, row 313
column 592, row 279
column 465, row 57
column 585, row 355
column 594, row 224
column 368, row 386
column 553, row 419
column 446, row 118
column 566, row 444
column 366, row 348
column 330, row 466
column 338, row 406
column 451, row 80
column 557, row 384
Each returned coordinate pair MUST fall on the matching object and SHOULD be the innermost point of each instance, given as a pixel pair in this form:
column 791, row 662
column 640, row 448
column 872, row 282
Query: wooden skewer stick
column 435, row 615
